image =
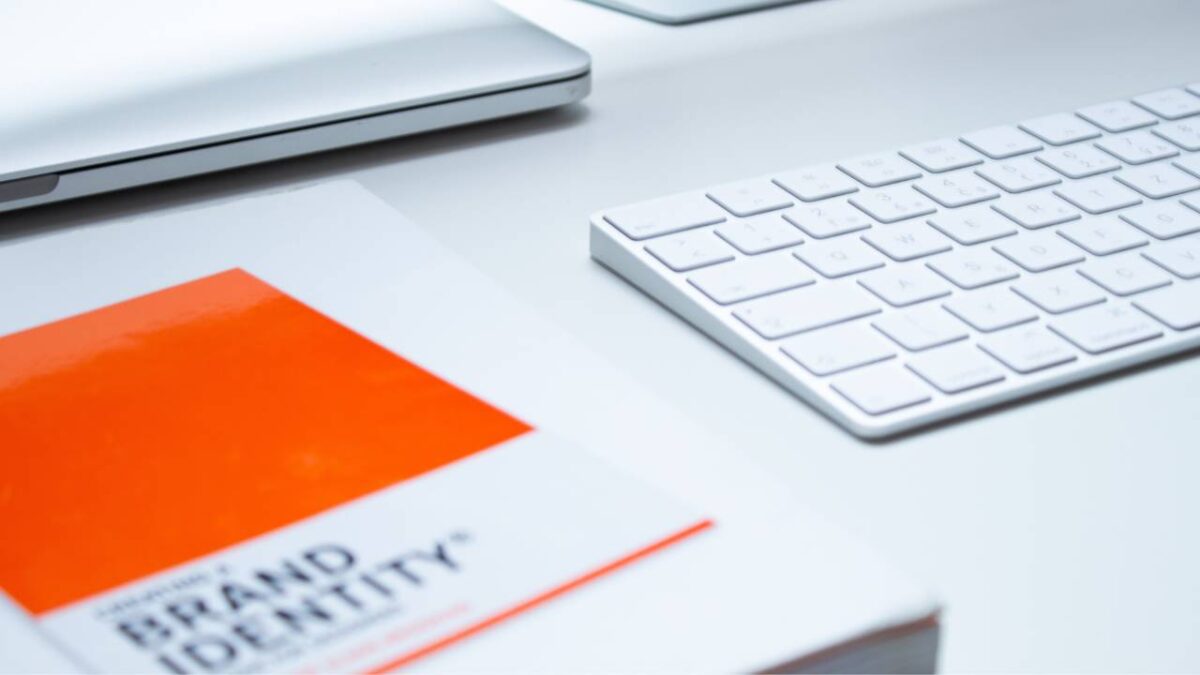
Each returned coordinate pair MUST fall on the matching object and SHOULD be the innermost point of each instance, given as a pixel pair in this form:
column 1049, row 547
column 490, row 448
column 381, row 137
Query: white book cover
column 292, row 433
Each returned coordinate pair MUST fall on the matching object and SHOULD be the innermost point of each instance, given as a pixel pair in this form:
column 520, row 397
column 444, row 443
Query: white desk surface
column 1061, row 533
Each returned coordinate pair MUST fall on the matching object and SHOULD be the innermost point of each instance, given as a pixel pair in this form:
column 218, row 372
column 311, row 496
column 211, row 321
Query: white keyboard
column 895, row 290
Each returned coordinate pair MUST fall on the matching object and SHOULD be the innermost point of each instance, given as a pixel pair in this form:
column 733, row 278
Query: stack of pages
column 292, row 433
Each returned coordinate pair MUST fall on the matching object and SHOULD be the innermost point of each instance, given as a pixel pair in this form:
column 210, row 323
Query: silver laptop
column 105, row 96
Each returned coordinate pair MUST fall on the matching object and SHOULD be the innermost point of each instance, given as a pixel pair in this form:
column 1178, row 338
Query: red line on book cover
column 541, row 598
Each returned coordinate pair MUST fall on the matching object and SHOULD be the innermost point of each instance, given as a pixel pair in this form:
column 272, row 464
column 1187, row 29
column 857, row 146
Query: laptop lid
column 94, row 83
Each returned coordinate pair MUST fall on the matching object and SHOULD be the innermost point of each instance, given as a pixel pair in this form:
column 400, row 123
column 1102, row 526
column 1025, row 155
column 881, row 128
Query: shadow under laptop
column 284, row 173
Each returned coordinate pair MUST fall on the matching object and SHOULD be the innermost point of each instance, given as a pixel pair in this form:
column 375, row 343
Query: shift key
column 665, row 216
column 805, row 309
column 1106, row 327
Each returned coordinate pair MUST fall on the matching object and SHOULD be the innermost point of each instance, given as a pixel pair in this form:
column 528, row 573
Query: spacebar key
column 805, row 309
column 1106, row 327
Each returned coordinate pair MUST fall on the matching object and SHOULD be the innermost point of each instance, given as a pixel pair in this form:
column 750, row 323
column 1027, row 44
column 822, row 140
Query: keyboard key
column 1125, row 275
column 1096, row 330
column 1001, row 142
column 1158, row 180
column 1192, row 202
column 838, row 348
column 804, row 309
column 946, row 154
column 1137, row 147
column 1060, row 129
column 815, row 183
column 690, row 250
column 973, row 226
column 750, row 197
column 894, row 204
column 1194, row 88
column 956, row 190
column 907, row 241
column 881, row 388
column 1039, row 252
column 1037, row 210
column 1018, row 175
column 759, row 235
column 1172, row 104
column 903, row 286
column 992, row 309
column 664, row 216
column 1059, row 292
column 1078, row 161
column 751, row 278
column 880, row 170
column 1117, row 116
column 840, row 257
column 973, row 268
column 1180, row 257
column 1103, row 236
column 1190, row 164
column 1165, row 221
column 1028, row 349
column 827, row 220
column 955, row 368
column 1177, row 306
column 1185, row 134
column 1098, row 195
column 920, row 327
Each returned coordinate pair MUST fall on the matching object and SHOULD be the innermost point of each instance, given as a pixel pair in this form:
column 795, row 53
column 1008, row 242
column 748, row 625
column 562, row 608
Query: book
column 292, row 433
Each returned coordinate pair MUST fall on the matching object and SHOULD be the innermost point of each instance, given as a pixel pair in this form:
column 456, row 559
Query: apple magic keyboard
column 895, row 290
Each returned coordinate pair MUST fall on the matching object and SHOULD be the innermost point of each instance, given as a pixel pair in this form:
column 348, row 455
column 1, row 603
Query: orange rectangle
column 153, row 431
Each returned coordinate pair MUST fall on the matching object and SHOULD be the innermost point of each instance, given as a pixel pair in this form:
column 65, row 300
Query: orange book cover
column 215, row 476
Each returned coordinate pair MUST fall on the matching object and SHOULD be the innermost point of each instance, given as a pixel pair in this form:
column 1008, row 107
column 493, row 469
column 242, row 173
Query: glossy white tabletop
column 1060, row 532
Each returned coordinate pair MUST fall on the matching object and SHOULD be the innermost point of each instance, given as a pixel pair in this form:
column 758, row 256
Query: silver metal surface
column 104, row 84
column 687, row 11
